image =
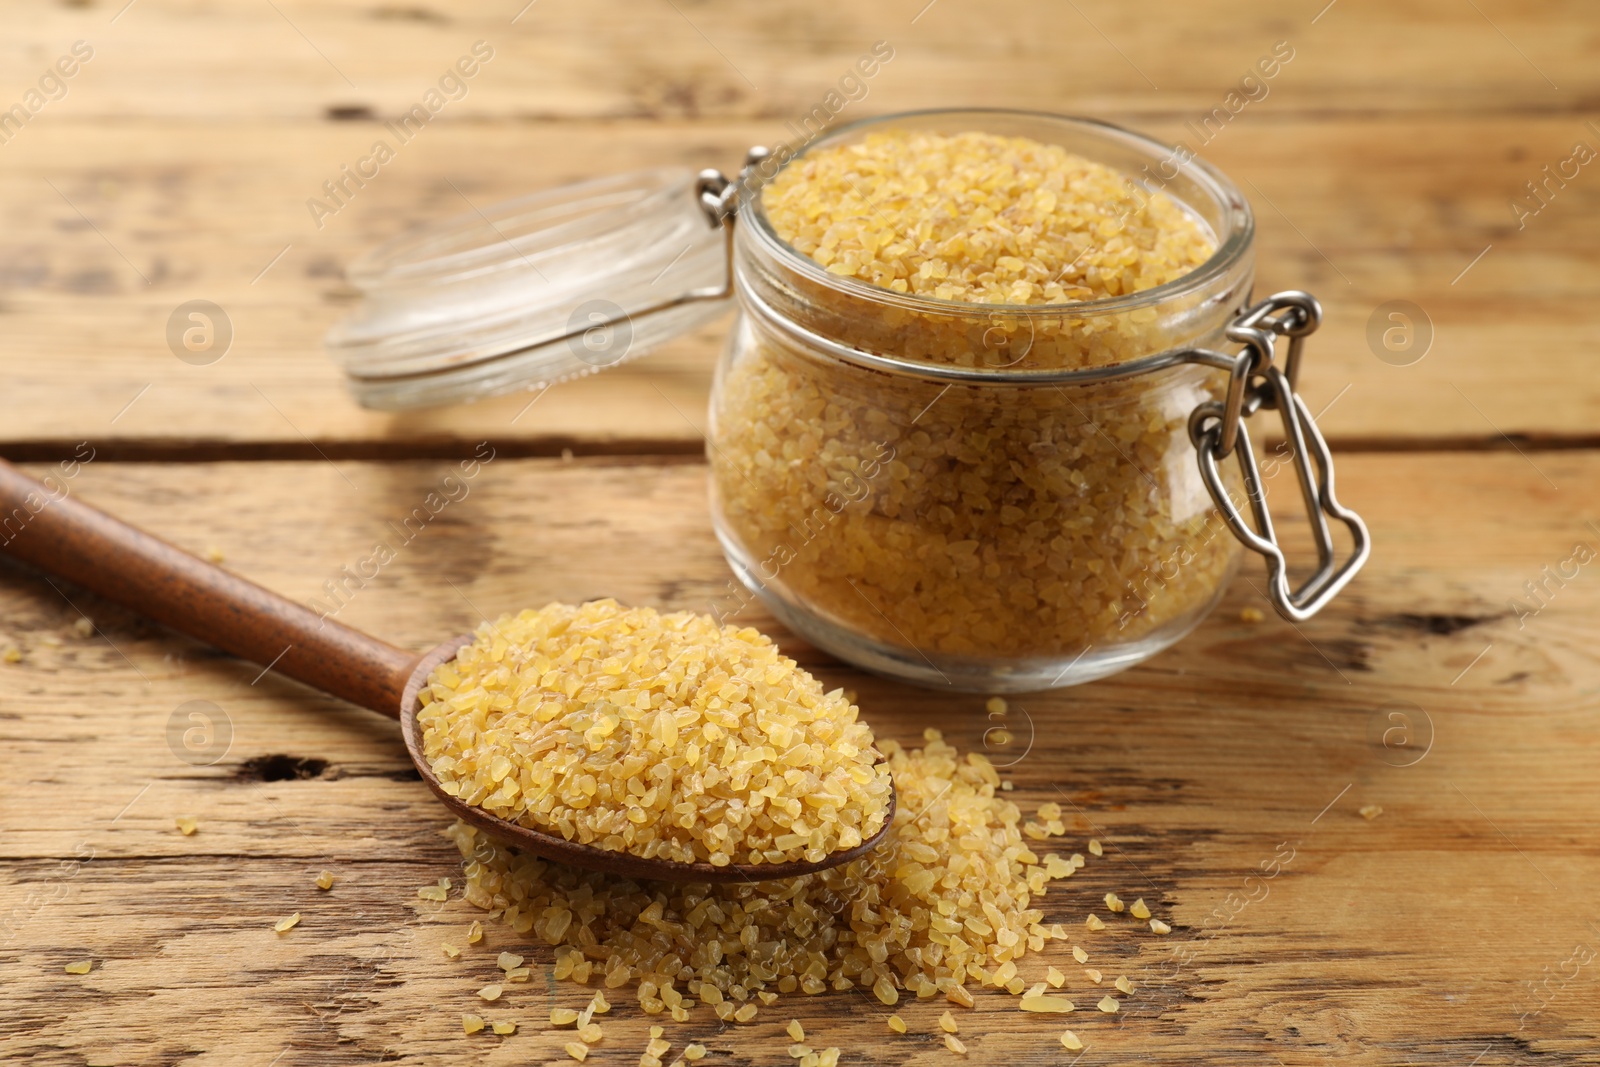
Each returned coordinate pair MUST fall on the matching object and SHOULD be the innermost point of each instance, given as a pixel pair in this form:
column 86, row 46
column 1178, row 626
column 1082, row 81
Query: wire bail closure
column 1218, row 430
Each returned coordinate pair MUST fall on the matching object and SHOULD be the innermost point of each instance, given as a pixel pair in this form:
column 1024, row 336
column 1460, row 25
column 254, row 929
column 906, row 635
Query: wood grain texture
column 1448, row 928
column 1382, row 162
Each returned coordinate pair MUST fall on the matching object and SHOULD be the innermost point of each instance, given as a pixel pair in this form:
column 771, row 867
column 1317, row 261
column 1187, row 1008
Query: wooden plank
column 1362, row 211
column 612, row 59
column 1441, row 931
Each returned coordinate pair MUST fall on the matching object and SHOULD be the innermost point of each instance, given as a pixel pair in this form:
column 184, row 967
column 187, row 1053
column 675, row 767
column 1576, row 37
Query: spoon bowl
column 65, row 537
column 576, row 854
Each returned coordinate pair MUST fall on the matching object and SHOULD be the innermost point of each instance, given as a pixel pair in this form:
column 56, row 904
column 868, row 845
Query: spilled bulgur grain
column 471, row 1024
column 1046, row 1003
column 948, row 896
column 287, row 923
column 325, row 880
column 972, row 522
column 79, row 967
column 504, row 1028
column 897, row 1024
column 186, row 825
column 663, row 736
column 980, row 218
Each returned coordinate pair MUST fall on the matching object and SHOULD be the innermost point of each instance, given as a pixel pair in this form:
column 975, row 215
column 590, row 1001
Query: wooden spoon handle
column 57, row 534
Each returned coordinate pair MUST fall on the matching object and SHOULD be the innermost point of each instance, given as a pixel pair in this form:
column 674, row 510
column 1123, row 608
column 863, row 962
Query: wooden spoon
column 57, row 534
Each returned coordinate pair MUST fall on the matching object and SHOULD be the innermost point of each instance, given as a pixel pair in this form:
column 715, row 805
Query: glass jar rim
column 1231, row 247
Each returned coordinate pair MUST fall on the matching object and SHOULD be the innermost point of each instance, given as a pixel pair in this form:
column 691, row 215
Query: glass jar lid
column 532, row 291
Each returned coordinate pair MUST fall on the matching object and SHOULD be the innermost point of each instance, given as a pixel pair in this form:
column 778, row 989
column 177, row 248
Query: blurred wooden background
column 1385, row 163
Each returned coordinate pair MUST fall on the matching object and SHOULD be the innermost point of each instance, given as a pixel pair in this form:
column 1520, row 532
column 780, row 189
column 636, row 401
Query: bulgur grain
column 1114, row 902
column 975, row 523
column 563, row 1016
column 1139, row 909
column 79, row 967
column 1159, row 927
column 1370, row 811
column 591, row 1034
column 1095, row 848
column 451, row 950
column 947, row 1023
column 325, row 880
column 471, row 1024
column 1046, row 1003
column 186, row 825
column 1107, row 1004
column 663, row 736
column 897, row 1024
column 287, row 923
column 1094, row 922
column 955, row 1044
column 504, row 1028
column 1123, row 984
column 694, row 1052
column 946, row 216
column 490, row 992
column 509, row 961
column 577, row 1050
column 796, row 1031
column 1055, row 978
column 1092, row 974
column 1070, row 1041
column 1079, row 954
column 951, row 891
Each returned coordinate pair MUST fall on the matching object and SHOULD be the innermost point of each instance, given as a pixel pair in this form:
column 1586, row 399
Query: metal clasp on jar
column 1218, row 430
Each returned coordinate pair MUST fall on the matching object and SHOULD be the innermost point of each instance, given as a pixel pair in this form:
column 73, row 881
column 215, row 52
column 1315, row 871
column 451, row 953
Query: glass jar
column 989, row 497
column 1010, row 531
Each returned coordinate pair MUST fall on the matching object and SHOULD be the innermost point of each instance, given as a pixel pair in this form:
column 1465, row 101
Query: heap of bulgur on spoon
column 665, row 736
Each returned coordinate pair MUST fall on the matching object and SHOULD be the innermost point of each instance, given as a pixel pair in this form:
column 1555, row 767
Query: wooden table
column 1459, row 927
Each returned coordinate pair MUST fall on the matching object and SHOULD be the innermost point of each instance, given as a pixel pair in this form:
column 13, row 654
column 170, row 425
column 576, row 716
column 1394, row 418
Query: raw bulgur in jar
column 1004, row 531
